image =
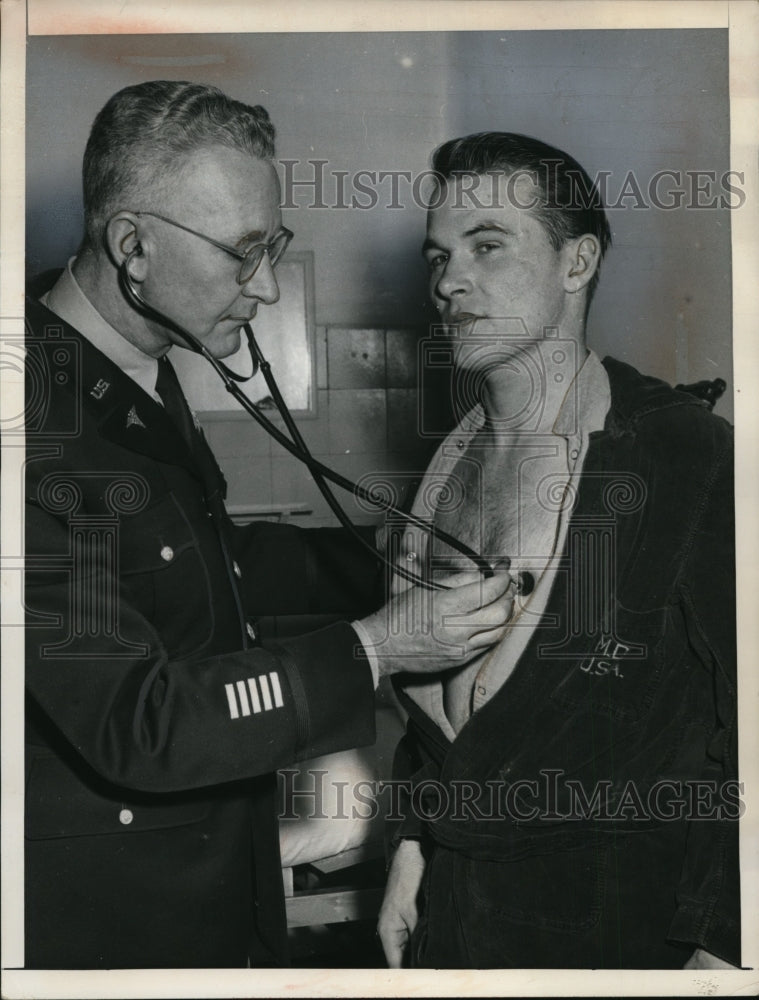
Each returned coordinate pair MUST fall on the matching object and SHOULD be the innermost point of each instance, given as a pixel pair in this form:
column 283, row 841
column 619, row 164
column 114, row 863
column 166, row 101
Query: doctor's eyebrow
column 255, row 236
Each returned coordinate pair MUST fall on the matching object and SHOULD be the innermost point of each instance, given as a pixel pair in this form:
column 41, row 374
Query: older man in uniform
column 574, row 800
column 155, row 716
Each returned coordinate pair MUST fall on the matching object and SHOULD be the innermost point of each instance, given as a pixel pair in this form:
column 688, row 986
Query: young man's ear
column 584, row 259
column 124, row 243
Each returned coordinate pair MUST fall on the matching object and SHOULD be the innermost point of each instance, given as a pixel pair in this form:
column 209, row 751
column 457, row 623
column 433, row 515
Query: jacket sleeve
column 405, row 820
column 155, row 719
column 302, row 571
column 708, row 914
column 416, row 777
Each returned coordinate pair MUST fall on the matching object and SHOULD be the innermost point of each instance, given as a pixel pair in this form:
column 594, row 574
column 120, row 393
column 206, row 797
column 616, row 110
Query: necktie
column 168, row 388
column 174, row 402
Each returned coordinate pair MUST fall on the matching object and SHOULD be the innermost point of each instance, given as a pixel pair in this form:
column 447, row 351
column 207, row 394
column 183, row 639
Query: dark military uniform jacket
column 155, row 716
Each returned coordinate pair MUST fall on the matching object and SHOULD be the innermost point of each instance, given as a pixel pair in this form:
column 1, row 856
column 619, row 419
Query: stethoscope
column 299, row 449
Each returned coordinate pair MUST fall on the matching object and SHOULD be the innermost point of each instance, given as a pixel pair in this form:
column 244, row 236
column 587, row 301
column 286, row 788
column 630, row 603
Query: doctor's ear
column 124, row 244
column 584, row 259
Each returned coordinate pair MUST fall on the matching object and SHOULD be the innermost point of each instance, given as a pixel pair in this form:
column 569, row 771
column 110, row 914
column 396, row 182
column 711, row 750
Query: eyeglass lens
column 255, row 255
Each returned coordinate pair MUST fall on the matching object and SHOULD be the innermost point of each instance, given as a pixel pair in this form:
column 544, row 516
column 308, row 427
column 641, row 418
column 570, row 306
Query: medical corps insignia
column 133, row 420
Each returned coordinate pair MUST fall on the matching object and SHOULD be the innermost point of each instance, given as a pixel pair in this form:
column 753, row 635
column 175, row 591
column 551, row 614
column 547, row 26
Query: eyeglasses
column 250, row 258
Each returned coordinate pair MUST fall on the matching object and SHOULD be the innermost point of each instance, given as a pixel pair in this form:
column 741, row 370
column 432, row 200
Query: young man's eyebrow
column 487, row 227
column 481, row 227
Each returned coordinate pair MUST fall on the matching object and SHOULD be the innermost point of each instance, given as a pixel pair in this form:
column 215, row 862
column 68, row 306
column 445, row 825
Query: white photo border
column 741, row 18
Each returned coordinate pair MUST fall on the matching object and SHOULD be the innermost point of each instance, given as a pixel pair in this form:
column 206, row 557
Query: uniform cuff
column 371, row 656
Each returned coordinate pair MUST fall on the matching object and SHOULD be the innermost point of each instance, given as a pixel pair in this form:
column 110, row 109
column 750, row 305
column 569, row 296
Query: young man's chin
column 484, row 355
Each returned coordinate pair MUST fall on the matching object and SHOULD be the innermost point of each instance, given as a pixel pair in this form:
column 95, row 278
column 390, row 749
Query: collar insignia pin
column 133, row 420
column 100, row 388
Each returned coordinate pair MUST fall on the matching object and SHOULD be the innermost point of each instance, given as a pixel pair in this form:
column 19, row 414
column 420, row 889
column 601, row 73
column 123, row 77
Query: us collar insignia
column 100, row 388
column 133, row 420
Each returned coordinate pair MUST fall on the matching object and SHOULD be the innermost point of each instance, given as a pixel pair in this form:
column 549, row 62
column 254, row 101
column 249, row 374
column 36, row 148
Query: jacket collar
column 633, row 395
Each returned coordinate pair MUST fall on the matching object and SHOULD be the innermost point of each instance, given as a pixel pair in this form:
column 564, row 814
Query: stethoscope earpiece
column 135, row 252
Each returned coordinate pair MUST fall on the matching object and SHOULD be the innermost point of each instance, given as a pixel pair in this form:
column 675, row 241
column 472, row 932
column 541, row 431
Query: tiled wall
column 367, row 421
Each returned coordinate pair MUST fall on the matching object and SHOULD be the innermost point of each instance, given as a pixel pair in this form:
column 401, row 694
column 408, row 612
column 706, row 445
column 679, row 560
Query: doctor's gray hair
column 141, row 138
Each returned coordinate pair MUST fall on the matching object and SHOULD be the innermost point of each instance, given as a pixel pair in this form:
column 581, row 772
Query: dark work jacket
column 628, row 680
column 154, row 720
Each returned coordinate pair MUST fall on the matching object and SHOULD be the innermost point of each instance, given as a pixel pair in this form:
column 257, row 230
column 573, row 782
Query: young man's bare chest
column 505, row 494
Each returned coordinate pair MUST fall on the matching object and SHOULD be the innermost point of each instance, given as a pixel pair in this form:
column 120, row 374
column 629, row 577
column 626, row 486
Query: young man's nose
column 453, row 280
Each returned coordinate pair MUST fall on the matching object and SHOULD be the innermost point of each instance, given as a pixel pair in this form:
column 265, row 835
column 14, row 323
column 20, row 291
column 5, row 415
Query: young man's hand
column 399, row 914
column 701, row 959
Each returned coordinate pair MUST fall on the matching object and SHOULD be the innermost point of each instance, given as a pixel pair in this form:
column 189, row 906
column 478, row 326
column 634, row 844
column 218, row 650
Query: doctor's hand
column 425, row 631
column 399, row 914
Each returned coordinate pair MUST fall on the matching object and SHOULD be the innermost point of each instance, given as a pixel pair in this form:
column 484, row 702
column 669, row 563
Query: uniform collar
column 67, row 300
column 124, row 413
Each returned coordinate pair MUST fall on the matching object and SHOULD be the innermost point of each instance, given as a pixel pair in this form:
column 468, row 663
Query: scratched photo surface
column 392, row 357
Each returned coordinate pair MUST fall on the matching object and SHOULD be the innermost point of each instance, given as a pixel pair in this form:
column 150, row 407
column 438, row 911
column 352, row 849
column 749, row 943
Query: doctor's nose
column 262, row 284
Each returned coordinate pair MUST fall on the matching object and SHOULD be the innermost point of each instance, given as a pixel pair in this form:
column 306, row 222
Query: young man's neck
column 527, row 394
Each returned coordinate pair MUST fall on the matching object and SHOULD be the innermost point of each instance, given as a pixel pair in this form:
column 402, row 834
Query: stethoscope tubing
column 297, row 447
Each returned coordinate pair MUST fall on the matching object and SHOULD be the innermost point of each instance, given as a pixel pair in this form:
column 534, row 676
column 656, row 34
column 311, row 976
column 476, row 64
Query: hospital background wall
column 619, row 101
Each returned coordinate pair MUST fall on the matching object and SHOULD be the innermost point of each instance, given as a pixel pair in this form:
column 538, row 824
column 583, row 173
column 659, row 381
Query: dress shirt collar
column 67, row 300
column 586, row 403
column 583, row 409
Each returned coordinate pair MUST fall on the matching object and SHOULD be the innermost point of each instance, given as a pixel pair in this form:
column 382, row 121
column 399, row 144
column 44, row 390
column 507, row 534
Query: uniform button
column 574, row 453
column 126, row 816
column 237, row 570
column 250, row 630
column 459, row 444
column 481, row 689
column 167, row 553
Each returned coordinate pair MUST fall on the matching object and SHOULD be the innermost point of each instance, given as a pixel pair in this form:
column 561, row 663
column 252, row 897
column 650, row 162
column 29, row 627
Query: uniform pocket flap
column 154, row 539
